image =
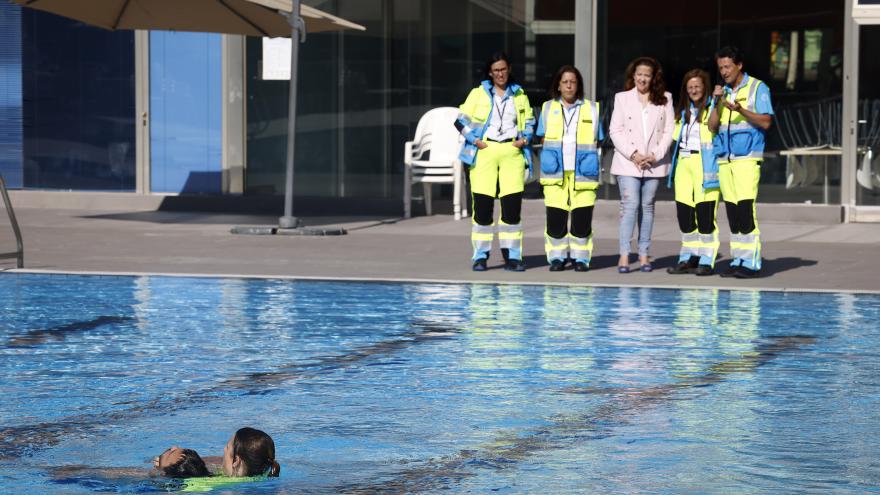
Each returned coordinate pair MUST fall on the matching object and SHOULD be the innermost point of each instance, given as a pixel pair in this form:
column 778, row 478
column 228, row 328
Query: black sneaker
column 480, row 265
column 515, row 265
column 580, row 266
column 730, row 272
column 744, row 272
column 681, row 268
column 703, row 270
column 557, row 266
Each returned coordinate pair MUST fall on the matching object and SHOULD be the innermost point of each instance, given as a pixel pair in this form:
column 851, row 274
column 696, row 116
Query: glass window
column 555, row 10
column 79, row 105
column 361, row 94
column 795, row 48
column 317, row 122
column 868, row 153
column 10, row 95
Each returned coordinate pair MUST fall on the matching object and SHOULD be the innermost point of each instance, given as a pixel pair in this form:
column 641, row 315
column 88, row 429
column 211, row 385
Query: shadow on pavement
column 664, row 262
column 770, row 267
column 207, row 218
column 540, row 261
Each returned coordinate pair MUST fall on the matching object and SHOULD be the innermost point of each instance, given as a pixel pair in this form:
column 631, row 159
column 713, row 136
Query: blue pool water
column 429, row 388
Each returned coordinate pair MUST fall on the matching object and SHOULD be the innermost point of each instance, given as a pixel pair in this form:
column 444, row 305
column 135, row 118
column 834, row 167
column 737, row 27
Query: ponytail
column 274, row 469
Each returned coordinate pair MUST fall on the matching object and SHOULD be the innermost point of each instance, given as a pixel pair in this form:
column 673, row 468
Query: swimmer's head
column 250, row 452
column 180, row 463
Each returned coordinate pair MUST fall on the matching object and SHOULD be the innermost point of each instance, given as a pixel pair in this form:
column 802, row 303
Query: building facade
column 159, row 113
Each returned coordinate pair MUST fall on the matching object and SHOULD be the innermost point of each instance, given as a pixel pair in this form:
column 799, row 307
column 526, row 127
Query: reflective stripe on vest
column 707, row 148
column 587, row 133
column 475, row 112
column 732, row 122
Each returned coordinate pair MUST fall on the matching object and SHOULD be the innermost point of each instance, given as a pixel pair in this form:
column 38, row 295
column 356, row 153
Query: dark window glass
column 794, row 47
column 317, row 122
column 868, row 171
column 361, row 94
column 554, row 10
column 79, row 105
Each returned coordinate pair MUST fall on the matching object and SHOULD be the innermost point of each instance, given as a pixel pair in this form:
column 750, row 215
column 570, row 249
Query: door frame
column 849, row 160
column 142, row 111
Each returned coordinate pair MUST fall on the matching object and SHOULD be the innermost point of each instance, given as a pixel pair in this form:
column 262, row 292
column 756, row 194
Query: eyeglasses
column 500, row 71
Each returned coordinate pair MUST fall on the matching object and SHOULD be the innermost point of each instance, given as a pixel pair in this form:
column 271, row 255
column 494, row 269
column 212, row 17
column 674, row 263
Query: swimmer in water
column 179, row 463
column 250, row 452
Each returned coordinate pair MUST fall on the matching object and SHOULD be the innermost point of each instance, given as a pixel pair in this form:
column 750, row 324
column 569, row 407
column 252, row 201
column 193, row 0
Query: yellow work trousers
column 689, row 191
column 739, row 189
column 499, row 171
column 565, row 197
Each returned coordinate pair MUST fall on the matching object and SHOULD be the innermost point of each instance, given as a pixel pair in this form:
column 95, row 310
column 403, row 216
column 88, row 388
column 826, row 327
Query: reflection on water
column 494, row 334
column 372, row 388
column 568, row 321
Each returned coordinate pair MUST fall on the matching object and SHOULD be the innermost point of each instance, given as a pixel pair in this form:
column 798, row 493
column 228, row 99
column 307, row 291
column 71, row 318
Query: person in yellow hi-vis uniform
column 571, row 128
column 695, row 173
column 740, row 121
column 497, row 123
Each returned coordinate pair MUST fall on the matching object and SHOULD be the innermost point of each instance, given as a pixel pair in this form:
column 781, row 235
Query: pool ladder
column 19, row 253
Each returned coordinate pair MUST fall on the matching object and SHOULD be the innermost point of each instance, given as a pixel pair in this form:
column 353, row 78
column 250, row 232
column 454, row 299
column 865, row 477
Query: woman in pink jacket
column 641, row 128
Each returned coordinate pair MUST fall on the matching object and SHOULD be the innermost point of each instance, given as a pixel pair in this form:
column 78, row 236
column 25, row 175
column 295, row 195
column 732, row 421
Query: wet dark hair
column 256, row 451
column 498, row 57
column 190, row 465
column 730, row 52
column 554, row 86
column 684, row 101
column 658, row 87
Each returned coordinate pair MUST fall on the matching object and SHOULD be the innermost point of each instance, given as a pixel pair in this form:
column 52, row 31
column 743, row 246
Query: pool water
column 430, row 388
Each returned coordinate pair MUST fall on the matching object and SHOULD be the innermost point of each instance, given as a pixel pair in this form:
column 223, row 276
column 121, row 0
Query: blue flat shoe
column 647, row 267
column 622, row 269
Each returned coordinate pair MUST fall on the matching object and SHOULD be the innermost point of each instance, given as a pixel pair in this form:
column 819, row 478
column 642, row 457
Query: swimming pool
column 428, row 388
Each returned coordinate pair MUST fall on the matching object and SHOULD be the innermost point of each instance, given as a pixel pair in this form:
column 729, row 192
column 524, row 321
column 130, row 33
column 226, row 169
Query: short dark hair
column 190, row 465
column 498, row 56
column 730, row 52
column 554, row 86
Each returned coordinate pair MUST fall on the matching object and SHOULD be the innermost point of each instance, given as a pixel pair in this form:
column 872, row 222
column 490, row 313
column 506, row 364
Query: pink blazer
column 626, row 133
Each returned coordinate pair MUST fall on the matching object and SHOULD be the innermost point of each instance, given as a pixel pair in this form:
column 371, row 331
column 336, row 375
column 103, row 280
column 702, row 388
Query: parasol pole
column 297, row 28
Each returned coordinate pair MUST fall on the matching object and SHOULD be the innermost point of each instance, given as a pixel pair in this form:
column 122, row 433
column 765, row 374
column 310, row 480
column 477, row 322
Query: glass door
column 868, row 148
column 186, row 112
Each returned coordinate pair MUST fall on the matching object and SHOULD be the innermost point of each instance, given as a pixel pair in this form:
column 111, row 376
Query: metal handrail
column 19, row 254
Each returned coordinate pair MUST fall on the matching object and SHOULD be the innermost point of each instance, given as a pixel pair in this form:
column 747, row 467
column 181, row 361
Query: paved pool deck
column 807, row 255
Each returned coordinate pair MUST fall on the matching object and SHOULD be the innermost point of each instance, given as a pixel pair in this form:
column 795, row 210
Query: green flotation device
column 209, row 483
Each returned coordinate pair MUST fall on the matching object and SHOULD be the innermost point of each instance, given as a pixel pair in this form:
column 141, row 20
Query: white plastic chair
column 866, row 176
column 435, row 135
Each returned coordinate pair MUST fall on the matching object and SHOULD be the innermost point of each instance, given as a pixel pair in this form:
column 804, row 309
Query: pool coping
column 312, row 278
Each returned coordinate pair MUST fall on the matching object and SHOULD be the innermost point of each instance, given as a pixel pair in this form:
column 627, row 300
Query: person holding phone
column 740, row 122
